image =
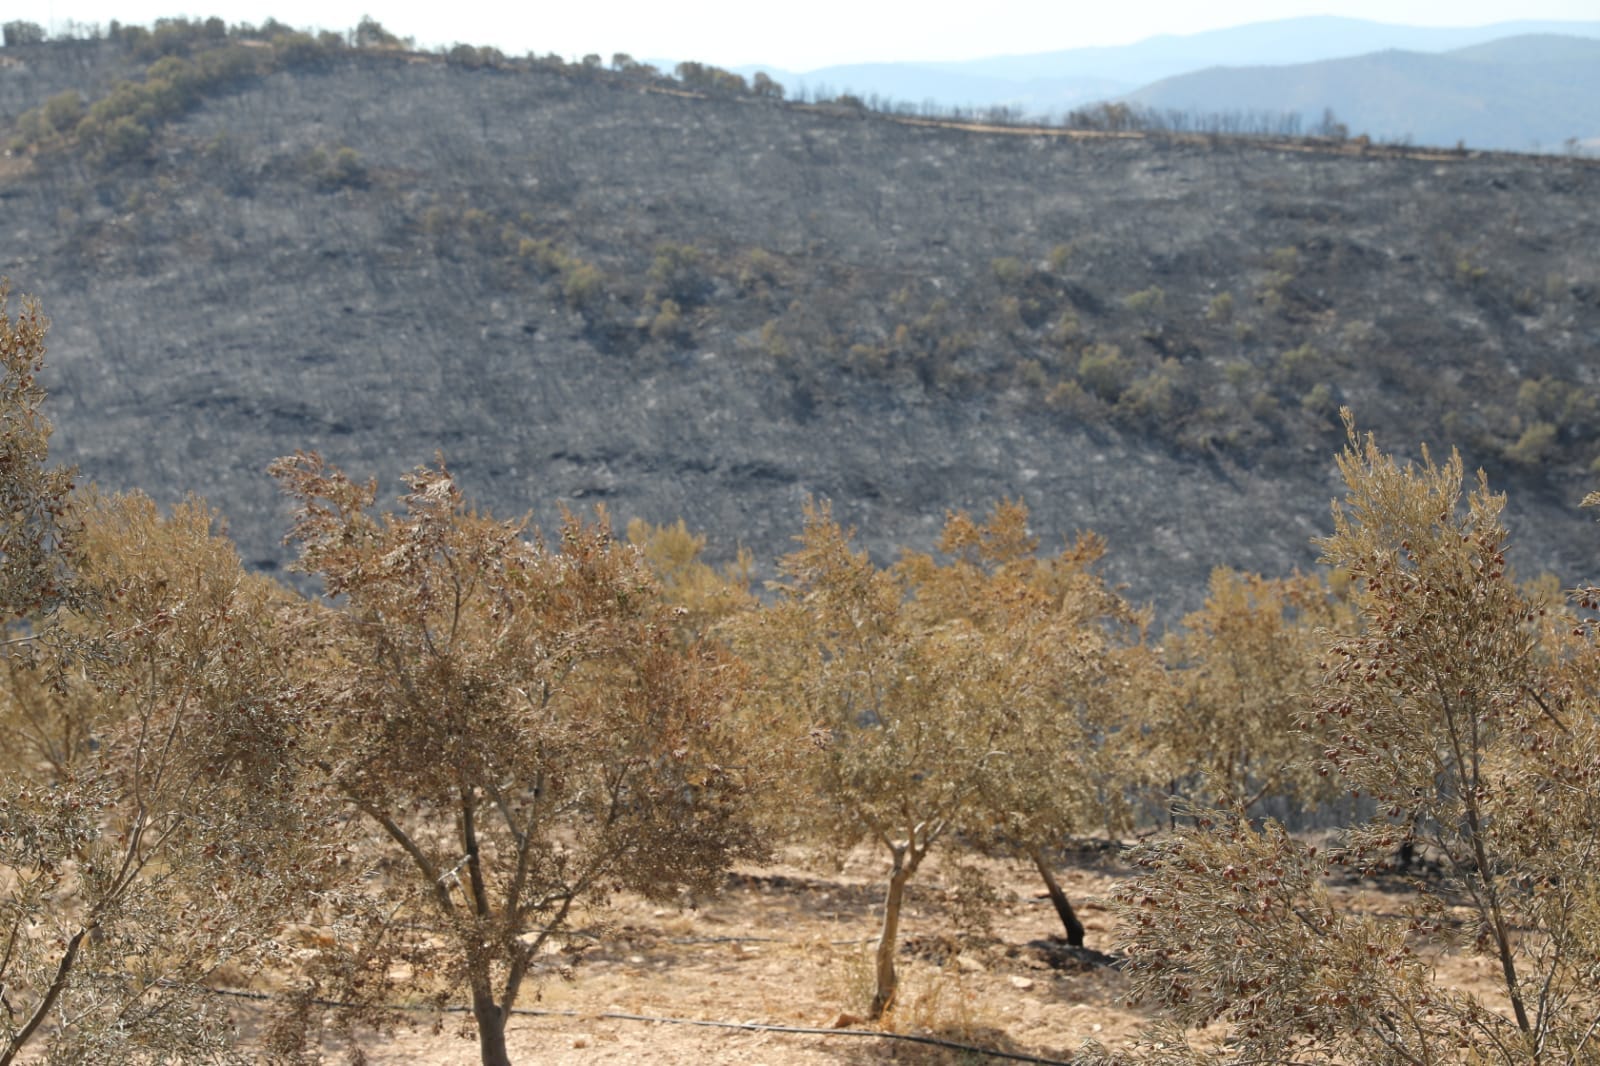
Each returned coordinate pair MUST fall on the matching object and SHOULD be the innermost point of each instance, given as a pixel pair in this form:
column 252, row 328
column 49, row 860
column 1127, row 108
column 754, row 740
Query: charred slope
column 584, row 287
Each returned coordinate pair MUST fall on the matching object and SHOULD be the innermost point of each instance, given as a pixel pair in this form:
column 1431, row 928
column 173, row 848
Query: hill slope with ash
column 592, row 287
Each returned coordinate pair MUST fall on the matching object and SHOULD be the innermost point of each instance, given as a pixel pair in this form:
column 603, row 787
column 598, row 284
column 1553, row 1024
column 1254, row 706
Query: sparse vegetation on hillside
column 982, row 346
column 1206, row 298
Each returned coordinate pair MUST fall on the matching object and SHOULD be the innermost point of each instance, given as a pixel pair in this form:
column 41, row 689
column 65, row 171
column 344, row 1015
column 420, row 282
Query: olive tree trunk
column 1069, row 917
column 491, row 1029
column 906, row 861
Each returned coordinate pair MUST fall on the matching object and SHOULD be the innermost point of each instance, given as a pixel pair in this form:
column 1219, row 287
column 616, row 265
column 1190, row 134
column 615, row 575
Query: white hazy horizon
column 802, row 37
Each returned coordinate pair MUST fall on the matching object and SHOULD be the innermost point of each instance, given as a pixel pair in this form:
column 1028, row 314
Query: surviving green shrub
column 119, row 140
column 234, row 63
column 540, row 251
column 1357, row 334
column 1271, row 292
column 757, row 270
column 17, row 32
column 463, row 55
column 1285, row 259
column 1104, row 372
column 1241, row 374
column 668, row 324
column 774, row 345
column 1536, row 445
column 30, row 130
column 343, row 168
column 175, row 81
column 708, row 78
column 1572, row 408
column 1147, row 303
column 294, row 50
column 63, row 111
column 1298, row 367
column 369, row 33
column 677, row 273
column 1008, row 271
column 1220, row 309
column 121, row 125
column 1066, row 328
column 1155, row 398
column 1319, row 400
column 582, row 284
column 1263, row 405
column 1031, row 376
column 1070, row 398
column 169, row 37
column 762, row 86
column 1467, row 271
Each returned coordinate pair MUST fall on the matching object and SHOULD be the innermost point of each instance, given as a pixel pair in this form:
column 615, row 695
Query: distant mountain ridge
column 1528, row 77
column 1283, row 41
column 1526, row 93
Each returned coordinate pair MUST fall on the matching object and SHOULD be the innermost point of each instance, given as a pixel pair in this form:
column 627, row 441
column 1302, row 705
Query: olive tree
column 935, row 694
column 149, row 824
column 35, row 520
column 152, row 833
column 1244, row 665
column 701, row 595
column 516, row 723
column 1467, row 710
column 1068, row 672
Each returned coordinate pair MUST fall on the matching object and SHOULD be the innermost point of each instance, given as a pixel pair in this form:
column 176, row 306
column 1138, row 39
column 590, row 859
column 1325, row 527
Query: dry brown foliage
column 147, row 814
column 987, row 696
column 35, row 525
column 151, row 830
column 700, row 594
column 520, row 727
column 1471, row 719
column 1243, row 667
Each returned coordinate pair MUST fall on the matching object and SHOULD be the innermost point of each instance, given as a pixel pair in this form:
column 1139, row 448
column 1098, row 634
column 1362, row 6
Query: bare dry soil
column 787, row 946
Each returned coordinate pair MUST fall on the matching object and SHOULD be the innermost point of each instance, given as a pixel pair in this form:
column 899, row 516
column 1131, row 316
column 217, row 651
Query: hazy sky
column 801, row 35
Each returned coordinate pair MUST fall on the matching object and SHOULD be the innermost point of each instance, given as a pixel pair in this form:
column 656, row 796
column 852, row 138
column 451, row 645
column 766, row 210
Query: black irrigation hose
column 806, row 1030
column 690, row 940
column 754, row 1027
